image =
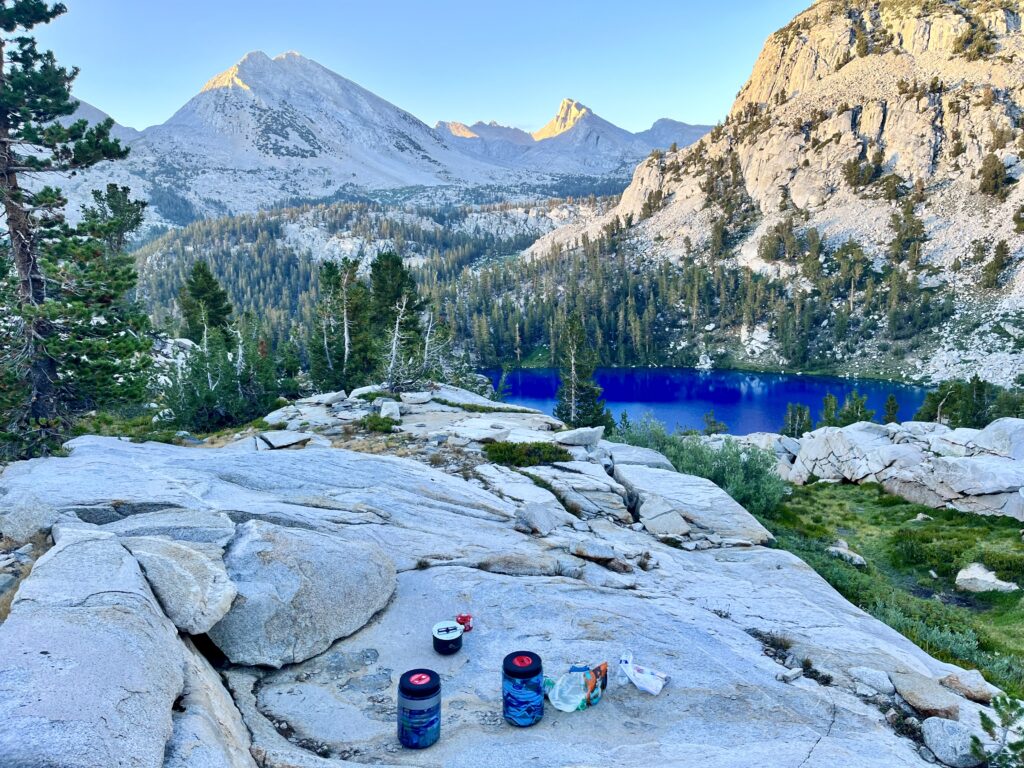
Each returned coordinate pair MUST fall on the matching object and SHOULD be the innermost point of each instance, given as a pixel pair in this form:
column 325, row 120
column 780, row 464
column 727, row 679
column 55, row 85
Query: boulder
column 208, row 728
column 325, row 398
column 926, row 696
column 193, row 588
column 389, row 409
column 977, row 578
column 971, row 684
column 298, row 592
column 847, row 555
column 89, row 665
column 667, row 499
column 1004, row 437
column 542, row 519
column 950, row 741
column 584, row 436
column 632, row 454
column 585, row 489
column 416, row 398
column 592, row 549
column 875, row 679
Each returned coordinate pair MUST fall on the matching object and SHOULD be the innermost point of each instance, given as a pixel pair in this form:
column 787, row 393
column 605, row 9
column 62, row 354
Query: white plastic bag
column 647, row 680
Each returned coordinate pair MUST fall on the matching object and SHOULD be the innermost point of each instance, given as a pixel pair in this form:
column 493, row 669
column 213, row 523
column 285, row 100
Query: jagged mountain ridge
column 920, row 91
column 575, row 140
column 270, row 130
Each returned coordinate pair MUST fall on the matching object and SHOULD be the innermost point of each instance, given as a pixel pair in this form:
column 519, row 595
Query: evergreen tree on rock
column 37, row 386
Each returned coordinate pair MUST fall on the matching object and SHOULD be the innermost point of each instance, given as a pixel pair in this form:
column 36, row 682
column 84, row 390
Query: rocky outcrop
column 298, row 592
column 193, row 587
column 301, row 533
column 964, row 469
column 670, row 503
column 950, row 742
column 89, row 665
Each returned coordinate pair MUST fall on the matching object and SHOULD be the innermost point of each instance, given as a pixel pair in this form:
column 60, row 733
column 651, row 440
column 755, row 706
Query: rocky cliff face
column 918, row 96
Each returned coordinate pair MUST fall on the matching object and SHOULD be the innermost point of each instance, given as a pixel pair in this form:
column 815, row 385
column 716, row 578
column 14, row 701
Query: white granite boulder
column 298, row 592
column 584, row 436
column 977, row 578
column 193, row 587
column 632, row 454
column 950, row 741
column 89, row 665
column 667, row 499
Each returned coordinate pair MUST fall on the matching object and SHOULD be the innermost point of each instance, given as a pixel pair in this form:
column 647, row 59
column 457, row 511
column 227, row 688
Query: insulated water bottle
column 522, row 688
column 419, row 708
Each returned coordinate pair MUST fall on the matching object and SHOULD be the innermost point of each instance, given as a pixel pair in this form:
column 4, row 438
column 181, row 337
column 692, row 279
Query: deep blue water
column 679, row 397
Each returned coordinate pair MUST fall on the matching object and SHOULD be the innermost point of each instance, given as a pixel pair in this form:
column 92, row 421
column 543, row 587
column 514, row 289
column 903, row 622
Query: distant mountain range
column 271, row 130
column 575, row 141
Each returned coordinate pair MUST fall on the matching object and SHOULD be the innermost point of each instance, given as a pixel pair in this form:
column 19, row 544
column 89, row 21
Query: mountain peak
column 251, row 66
column 570, row 112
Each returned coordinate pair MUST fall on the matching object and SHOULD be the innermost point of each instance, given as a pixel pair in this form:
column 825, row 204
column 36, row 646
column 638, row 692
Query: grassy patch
column 376, row 423
column 525, row 454
column 981, row 631
column 371, row 396
column 474, row 408
column 136, row 426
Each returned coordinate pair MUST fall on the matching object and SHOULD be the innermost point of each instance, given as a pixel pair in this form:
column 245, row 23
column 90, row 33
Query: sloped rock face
column 89, row 665
column 302, row 531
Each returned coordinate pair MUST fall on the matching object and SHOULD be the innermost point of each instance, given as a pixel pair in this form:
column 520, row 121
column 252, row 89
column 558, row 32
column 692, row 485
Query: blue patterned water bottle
column 522, row 688
column 419, row 708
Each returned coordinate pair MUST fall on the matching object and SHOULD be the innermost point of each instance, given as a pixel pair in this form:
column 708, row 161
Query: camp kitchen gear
column 522, row 688
column 447, row 637
column 419, row 708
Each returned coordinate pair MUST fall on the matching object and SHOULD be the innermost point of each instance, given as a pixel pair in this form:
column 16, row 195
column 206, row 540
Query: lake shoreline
column 746, row 401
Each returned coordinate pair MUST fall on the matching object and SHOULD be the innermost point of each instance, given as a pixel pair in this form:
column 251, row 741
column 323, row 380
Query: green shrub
column 744, row 472
column 525, row 454
column 376, row 423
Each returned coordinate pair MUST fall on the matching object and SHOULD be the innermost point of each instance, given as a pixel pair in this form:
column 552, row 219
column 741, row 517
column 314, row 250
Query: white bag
column 647, row 680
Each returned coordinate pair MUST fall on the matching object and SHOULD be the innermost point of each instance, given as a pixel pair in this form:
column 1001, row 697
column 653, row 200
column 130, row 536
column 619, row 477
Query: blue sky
column 631, row 62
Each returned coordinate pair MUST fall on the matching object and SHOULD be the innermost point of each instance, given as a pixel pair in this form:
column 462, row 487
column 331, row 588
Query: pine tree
column 892, row 409
column 227, row 379
column 829, row 412
column 102, row 345
column 204, row 303
column 35, row 92
column 854, row 409
column 995, row 181
column 797, row 421
column 579, row 402
column 713, row 426
column 994, row 269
